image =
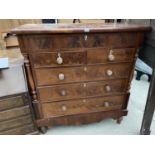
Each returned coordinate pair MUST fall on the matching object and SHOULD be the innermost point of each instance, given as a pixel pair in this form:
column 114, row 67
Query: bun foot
column 119, row 120
column 43, row 129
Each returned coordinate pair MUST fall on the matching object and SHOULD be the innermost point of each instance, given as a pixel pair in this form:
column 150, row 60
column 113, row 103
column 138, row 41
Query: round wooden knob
column 111, row 57
column 84, row 85
column 61, row 76
column 109, row 72
column 59, row 59
column 106, row 104
column 64, row 108
column 63, row 93
column 107, row 88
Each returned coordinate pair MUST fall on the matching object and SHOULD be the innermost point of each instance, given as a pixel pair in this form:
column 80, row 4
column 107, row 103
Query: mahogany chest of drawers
column 79, row 73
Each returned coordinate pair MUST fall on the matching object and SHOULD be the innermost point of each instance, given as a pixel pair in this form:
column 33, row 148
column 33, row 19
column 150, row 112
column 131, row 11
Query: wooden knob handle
column 107, row 88
column 61, row 76
column 111, row 57
column 63, row 93
column 109, row 72
column 59, row 59
column 64, row 108
column 107, row 104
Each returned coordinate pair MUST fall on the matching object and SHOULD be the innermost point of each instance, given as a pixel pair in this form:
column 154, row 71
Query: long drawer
column 83, row 56
column 78, row 74
column 61, row 41
column 83, row 106
column 81, row 90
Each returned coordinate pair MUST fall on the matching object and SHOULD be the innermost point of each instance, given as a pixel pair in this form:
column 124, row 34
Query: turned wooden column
column 32, row 89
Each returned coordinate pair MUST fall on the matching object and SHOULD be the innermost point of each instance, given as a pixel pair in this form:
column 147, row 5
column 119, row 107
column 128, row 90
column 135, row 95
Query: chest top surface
column 78, row 28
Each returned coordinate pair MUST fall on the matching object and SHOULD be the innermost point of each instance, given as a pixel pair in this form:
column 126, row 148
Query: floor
column 130, row 124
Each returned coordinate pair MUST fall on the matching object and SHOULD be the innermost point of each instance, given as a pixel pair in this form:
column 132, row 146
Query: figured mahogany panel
column 79, row 74
column 107, row 55
column 61, row 92
column 50, row 59
column 48, row 43
column 81, row 90
column 71, row 74
column 101, row 72
column 111, row 40
column 83, row 106
column 104, row 88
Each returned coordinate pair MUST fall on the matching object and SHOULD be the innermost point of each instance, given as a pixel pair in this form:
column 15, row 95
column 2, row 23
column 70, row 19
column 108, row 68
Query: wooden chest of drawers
column 79, row 73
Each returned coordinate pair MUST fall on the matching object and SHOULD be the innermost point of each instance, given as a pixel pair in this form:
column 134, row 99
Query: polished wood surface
column 81, row 90
column 79, row 28
column 75, row 58
column 87, row 56
column 83, row 106
column 49, row 43
column 80, row 73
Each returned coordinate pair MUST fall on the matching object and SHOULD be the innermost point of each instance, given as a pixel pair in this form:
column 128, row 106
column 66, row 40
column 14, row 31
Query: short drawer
column 105, row 55
column 83, row 106
column 79, row 74
column 59, row 58
column 13, row 101
column 45, row 43
column 81, row 90
column 111, row 40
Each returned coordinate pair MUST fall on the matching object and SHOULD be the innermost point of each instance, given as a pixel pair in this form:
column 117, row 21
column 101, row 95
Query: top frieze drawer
column 48, row 42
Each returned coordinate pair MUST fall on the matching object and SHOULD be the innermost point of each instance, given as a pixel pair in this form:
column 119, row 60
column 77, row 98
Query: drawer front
column 13, row 113
column 78, row 74
column 53, row 41
column 57, row 59
column 103, row 55
column 83, row 106
column 111, row 40
column 61, row 41
column 76, row 58
column 13, row 101
column 104, row 88
column 82, row 90
column 61, row 92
